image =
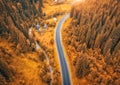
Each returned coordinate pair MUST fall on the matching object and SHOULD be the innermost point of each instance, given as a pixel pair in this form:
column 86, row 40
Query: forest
column 92, row 41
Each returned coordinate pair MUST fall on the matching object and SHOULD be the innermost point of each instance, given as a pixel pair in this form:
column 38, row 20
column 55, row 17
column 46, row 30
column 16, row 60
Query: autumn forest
column 59, row 42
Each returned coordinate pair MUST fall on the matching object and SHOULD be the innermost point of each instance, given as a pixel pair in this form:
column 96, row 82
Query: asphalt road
column 63, row 64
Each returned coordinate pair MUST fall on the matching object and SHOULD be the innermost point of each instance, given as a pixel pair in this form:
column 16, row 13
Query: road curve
column 63, row 64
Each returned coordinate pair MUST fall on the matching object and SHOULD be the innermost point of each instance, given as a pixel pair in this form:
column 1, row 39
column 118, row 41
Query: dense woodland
column 92, row 41
column 16, row 17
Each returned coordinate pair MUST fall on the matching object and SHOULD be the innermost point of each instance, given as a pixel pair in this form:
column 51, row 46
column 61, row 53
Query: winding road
column 63, row 64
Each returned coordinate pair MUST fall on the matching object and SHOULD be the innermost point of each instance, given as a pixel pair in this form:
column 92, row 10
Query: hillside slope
column 92, row 41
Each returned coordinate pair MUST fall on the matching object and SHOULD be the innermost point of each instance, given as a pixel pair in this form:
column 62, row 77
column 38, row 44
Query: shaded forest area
column 92, row 41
